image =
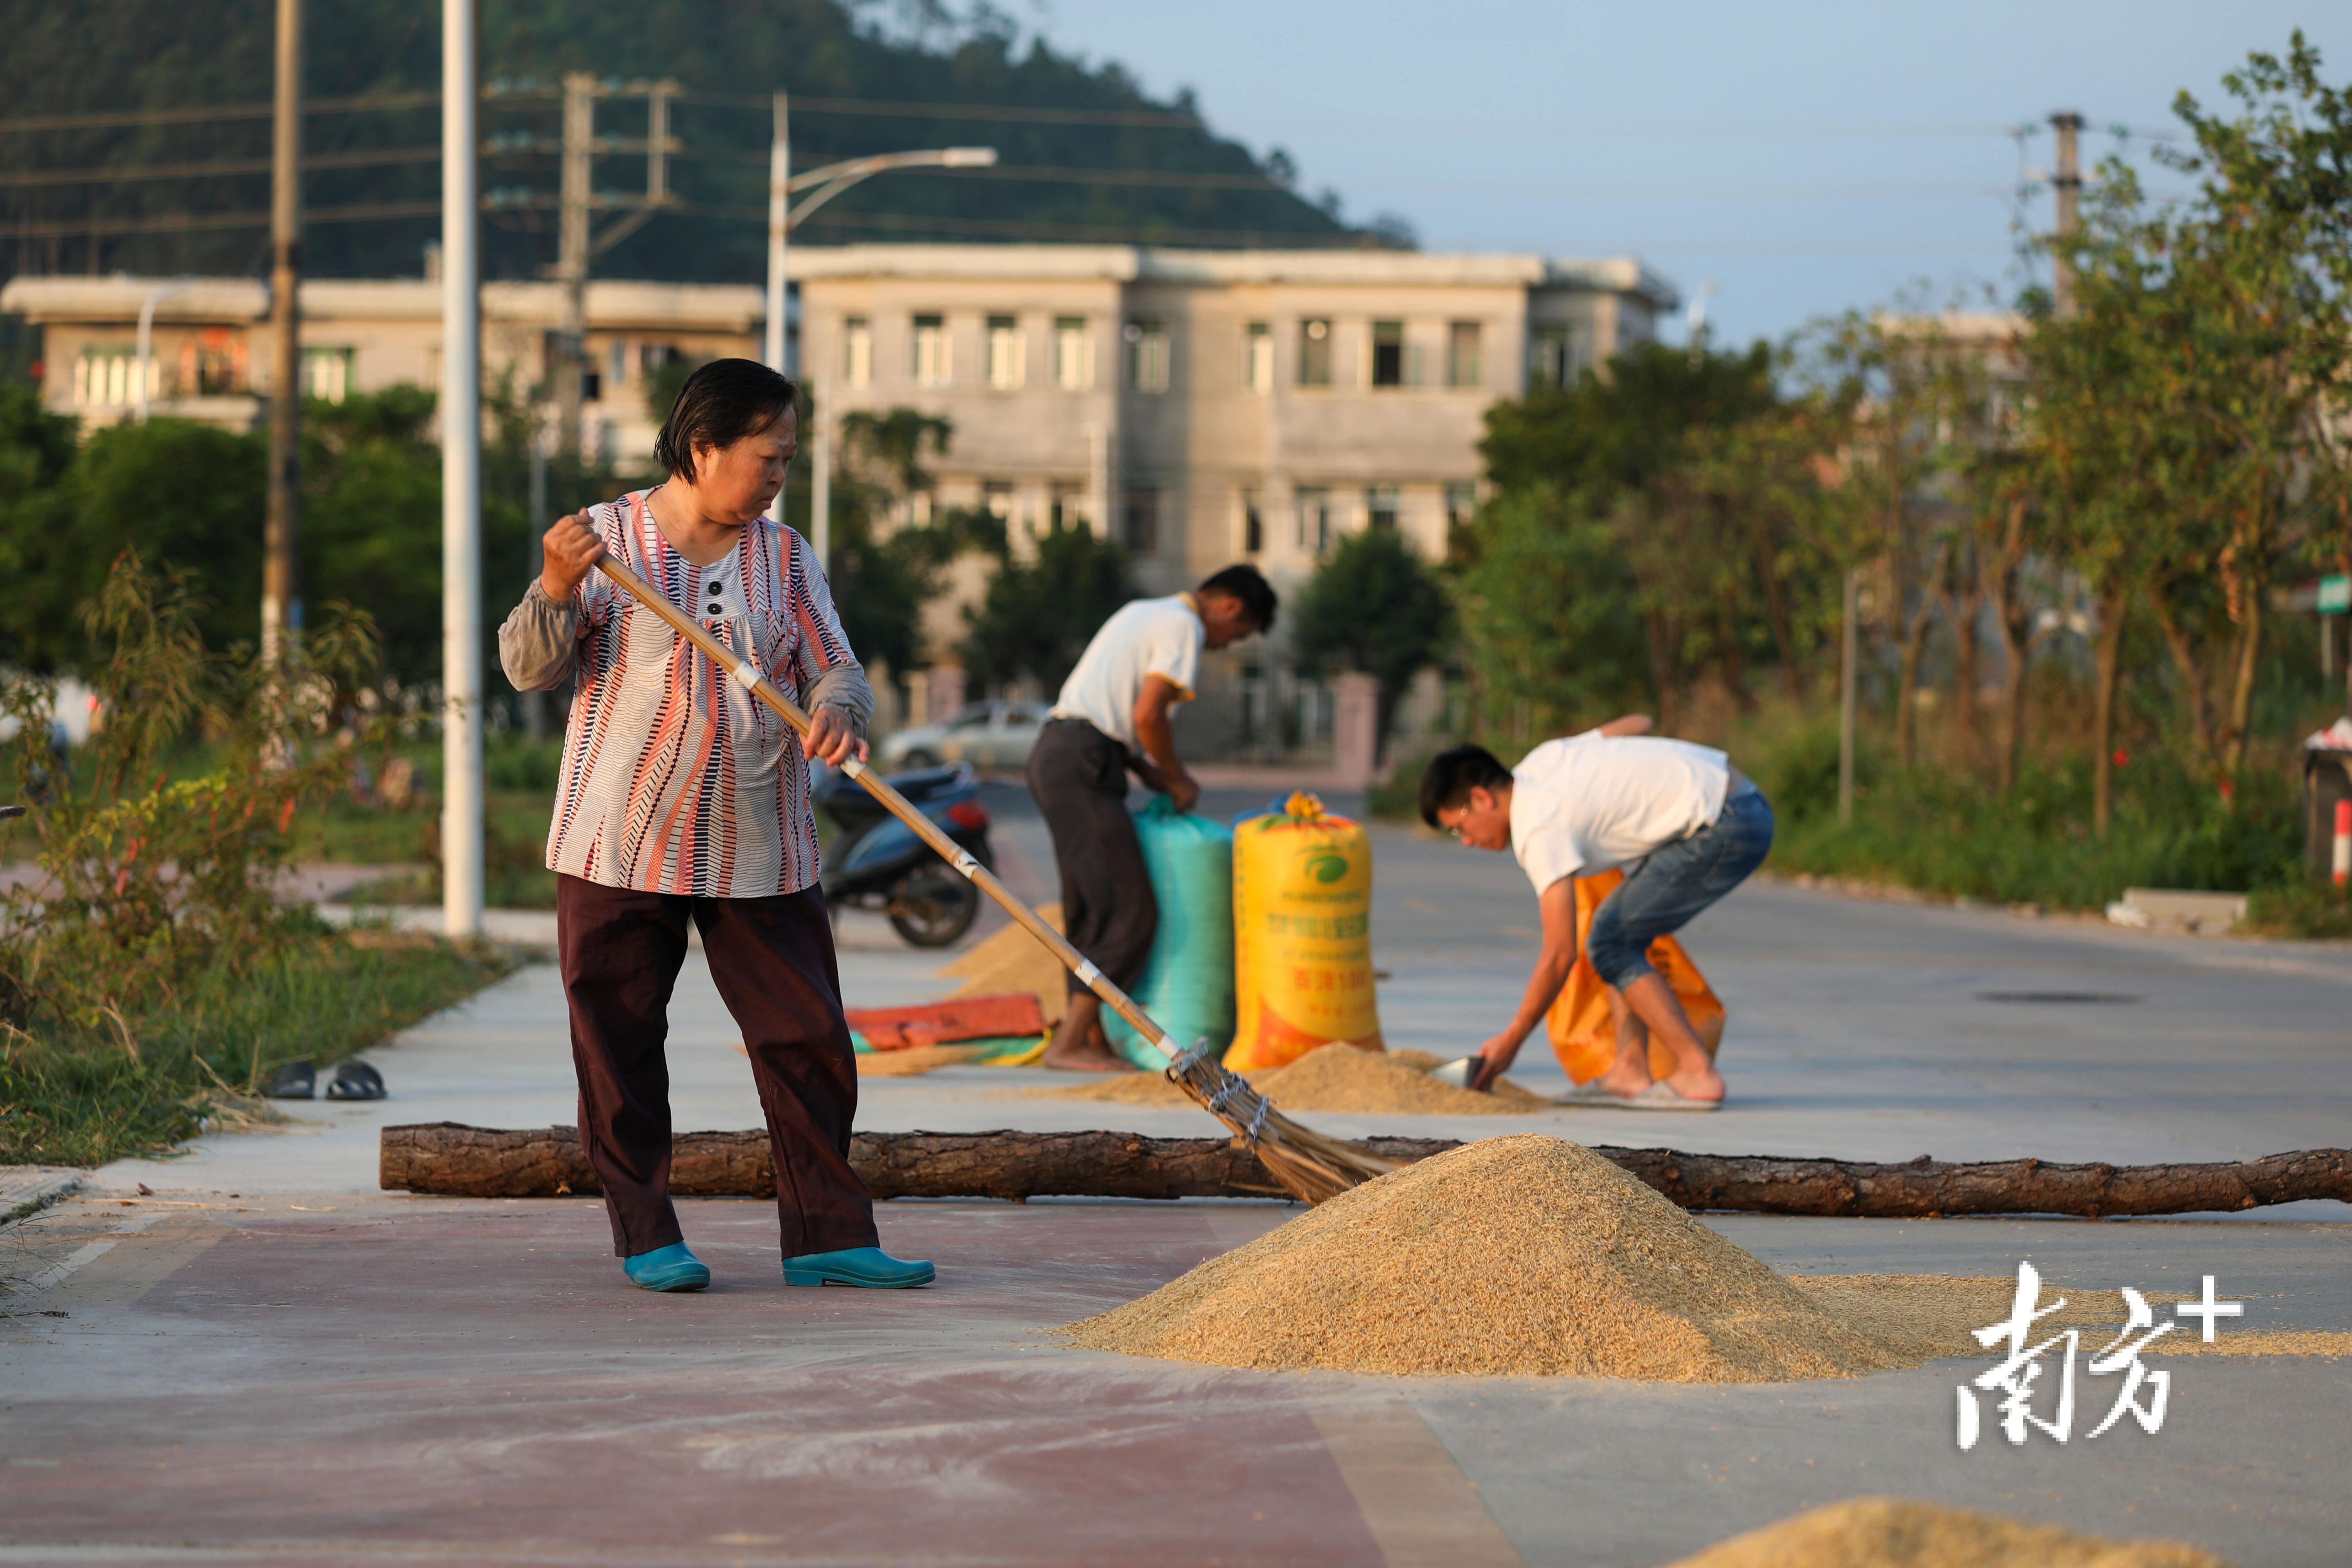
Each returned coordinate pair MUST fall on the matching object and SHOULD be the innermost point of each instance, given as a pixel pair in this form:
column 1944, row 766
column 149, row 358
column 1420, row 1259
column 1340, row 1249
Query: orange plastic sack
column 1583, row 1034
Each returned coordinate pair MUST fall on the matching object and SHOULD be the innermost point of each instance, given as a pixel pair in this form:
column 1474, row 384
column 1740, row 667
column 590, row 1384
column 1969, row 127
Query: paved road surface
column 310, row 1371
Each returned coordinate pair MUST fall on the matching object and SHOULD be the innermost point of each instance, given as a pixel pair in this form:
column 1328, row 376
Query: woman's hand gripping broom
column 1309, row 1164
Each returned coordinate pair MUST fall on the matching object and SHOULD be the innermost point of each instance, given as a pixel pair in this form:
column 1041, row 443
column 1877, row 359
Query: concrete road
column 313, row 1371
column 1861, row 1030
column 348, row 1380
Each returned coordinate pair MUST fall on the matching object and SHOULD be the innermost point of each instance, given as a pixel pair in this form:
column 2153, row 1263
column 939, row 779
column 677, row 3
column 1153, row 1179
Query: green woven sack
column 1188, row 983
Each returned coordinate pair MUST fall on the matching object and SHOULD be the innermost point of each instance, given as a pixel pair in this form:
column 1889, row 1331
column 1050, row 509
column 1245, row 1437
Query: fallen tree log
column 457, row 1161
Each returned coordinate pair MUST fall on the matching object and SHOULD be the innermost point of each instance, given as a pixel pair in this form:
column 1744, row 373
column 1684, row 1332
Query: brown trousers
column 1077, row 775
column 772, row 960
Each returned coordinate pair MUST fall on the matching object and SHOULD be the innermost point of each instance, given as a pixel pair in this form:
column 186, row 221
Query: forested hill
column 1085, row 154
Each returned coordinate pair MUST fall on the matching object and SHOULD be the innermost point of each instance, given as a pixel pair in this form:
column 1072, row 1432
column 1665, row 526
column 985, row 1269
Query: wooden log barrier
column 457, row 1161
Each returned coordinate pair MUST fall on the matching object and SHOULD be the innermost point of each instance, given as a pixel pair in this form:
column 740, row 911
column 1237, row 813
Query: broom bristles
column 1311, row 1165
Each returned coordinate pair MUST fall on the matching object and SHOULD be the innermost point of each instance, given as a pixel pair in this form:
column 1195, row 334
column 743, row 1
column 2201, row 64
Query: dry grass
column 1895, row 1532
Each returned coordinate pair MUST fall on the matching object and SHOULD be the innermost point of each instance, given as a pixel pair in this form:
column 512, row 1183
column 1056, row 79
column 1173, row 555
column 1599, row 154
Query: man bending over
column 1683, row 824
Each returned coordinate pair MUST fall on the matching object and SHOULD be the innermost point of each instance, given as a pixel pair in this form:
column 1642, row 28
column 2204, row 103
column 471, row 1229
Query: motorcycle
column 878, row 863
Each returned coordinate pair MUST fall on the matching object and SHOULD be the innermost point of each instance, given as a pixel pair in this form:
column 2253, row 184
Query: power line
column 177, row 223
column 197, row 113
column 361, row 160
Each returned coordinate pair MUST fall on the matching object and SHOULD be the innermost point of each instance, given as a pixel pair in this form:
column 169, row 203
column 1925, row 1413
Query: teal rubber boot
column 868, row 1266
column 671, row 1267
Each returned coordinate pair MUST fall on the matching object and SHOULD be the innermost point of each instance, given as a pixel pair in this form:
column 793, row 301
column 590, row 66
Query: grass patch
column 73, row 1099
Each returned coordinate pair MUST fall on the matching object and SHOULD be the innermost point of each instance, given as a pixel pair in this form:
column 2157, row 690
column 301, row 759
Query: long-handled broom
column 1310, row 1165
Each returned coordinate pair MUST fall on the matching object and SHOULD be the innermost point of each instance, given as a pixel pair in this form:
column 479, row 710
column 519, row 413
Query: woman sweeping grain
column 682, row 799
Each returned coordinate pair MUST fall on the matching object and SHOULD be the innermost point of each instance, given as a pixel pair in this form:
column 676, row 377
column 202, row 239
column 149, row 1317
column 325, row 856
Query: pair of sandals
column 353, row 1079
column 1660, row 1096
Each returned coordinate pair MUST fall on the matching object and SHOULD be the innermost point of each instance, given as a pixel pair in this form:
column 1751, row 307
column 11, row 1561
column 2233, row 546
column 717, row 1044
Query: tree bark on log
column 454, row 1160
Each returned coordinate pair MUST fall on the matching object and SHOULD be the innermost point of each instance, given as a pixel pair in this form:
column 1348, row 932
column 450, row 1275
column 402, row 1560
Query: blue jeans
column 1665, row 893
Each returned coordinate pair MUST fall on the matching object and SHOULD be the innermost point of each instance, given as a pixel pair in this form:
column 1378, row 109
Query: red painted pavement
column 475, row 1381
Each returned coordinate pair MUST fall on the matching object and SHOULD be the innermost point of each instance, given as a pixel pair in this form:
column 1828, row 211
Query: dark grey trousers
column 1078, row 777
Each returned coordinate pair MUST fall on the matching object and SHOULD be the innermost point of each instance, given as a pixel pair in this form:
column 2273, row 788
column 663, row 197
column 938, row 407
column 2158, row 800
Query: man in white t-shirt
column 1112, row 719
column 1678, row 817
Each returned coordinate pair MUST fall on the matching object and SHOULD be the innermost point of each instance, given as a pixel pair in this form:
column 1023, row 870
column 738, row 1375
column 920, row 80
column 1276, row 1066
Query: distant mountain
column 1087, row 156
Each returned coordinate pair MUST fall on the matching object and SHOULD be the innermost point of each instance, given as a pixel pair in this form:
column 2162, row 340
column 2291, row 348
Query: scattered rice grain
column 1895, row 1533
column 1334, row 1078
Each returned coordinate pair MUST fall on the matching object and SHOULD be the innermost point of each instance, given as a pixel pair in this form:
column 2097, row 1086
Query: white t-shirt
column 1144, row 639
column 1593, row 802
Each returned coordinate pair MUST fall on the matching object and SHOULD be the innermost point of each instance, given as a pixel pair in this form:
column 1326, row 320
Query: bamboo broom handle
column 749, row 676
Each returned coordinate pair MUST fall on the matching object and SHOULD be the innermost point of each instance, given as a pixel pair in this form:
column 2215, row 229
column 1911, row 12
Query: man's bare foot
column 1706, row 1086
column 1621, row 1083
column 1082, row 1054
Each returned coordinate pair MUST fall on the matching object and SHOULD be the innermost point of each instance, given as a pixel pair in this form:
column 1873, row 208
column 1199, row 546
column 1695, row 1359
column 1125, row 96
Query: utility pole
column 780, row 184
column 461, row 477
column 572, row 256
column 281, row 582
column 2067, row 182
column 534, row 703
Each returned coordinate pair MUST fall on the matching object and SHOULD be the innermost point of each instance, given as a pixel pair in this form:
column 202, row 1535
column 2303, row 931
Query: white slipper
column 1664, row 1096
column 1591, row 1094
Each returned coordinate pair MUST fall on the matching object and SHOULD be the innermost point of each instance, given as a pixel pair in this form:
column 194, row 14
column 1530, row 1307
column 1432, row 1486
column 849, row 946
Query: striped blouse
column 675, row 780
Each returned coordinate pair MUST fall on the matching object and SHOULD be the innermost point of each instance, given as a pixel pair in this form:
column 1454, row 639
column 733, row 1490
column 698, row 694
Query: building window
column 1381, row 506
column 996, row 499
column 616, row 362
column 1464, row 363
column 1314, row 353
column 1387, row 354
column 1062, row 507
column 1147, row 350
column 1007, row 357
column 1253, row 524
column 1461, row 503
column 1314, row 521
column 106, row 376
column 933, row 365
column 1258, row 357
column 857, row 351
column 1140, row 519
column 327, row 373
column 1552, row 356
column 1073, row 357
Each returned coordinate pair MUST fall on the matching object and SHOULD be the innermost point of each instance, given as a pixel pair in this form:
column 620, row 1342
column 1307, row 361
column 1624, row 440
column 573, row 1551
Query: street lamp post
column 824, row 184
column 461, row 481
column 155, row 296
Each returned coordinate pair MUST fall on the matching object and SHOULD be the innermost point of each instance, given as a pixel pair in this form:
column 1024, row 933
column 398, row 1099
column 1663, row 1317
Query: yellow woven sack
column 1302, row 936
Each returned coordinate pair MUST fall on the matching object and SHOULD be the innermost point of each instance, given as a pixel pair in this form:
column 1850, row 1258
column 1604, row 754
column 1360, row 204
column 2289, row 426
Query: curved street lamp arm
column 834, row 178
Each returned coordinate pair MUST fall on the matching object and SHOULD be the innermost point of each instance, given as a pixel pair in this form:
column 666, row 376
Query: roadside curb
column 28, row 1189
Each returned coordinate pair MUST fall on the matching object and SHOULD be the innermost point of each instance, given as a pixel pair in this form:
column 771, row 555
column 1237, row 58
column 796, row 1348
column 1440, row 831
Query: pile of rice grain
column 1338, row 1077
column 1893, row 1532
column 1523, row 1256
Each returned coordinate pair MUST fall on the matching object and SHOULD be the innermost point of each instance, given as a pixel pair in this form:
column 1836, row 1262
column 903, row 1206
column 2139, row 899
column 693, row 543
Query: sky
column 1806, row 158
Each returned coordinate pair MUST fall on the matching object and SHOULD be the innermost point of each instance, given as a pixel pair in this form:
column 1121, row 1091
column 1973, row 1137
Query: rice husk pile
column 1013, row 960
column 1524, row 1255
column 1895, row 1532
column 1337, row 1077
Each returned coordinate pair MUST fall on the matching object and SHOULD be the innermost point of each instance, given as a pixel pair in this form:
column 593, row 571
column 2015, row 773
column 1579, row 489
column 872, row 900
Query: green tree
column 1038, row 616
column 1375, row 607
column 371, row 522
column 1549, row 617
column 186, row 495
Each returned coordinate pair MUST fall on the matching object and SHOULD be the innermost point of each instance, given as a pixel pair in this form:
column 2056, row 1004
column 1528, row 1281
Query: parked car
column 992, row 735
